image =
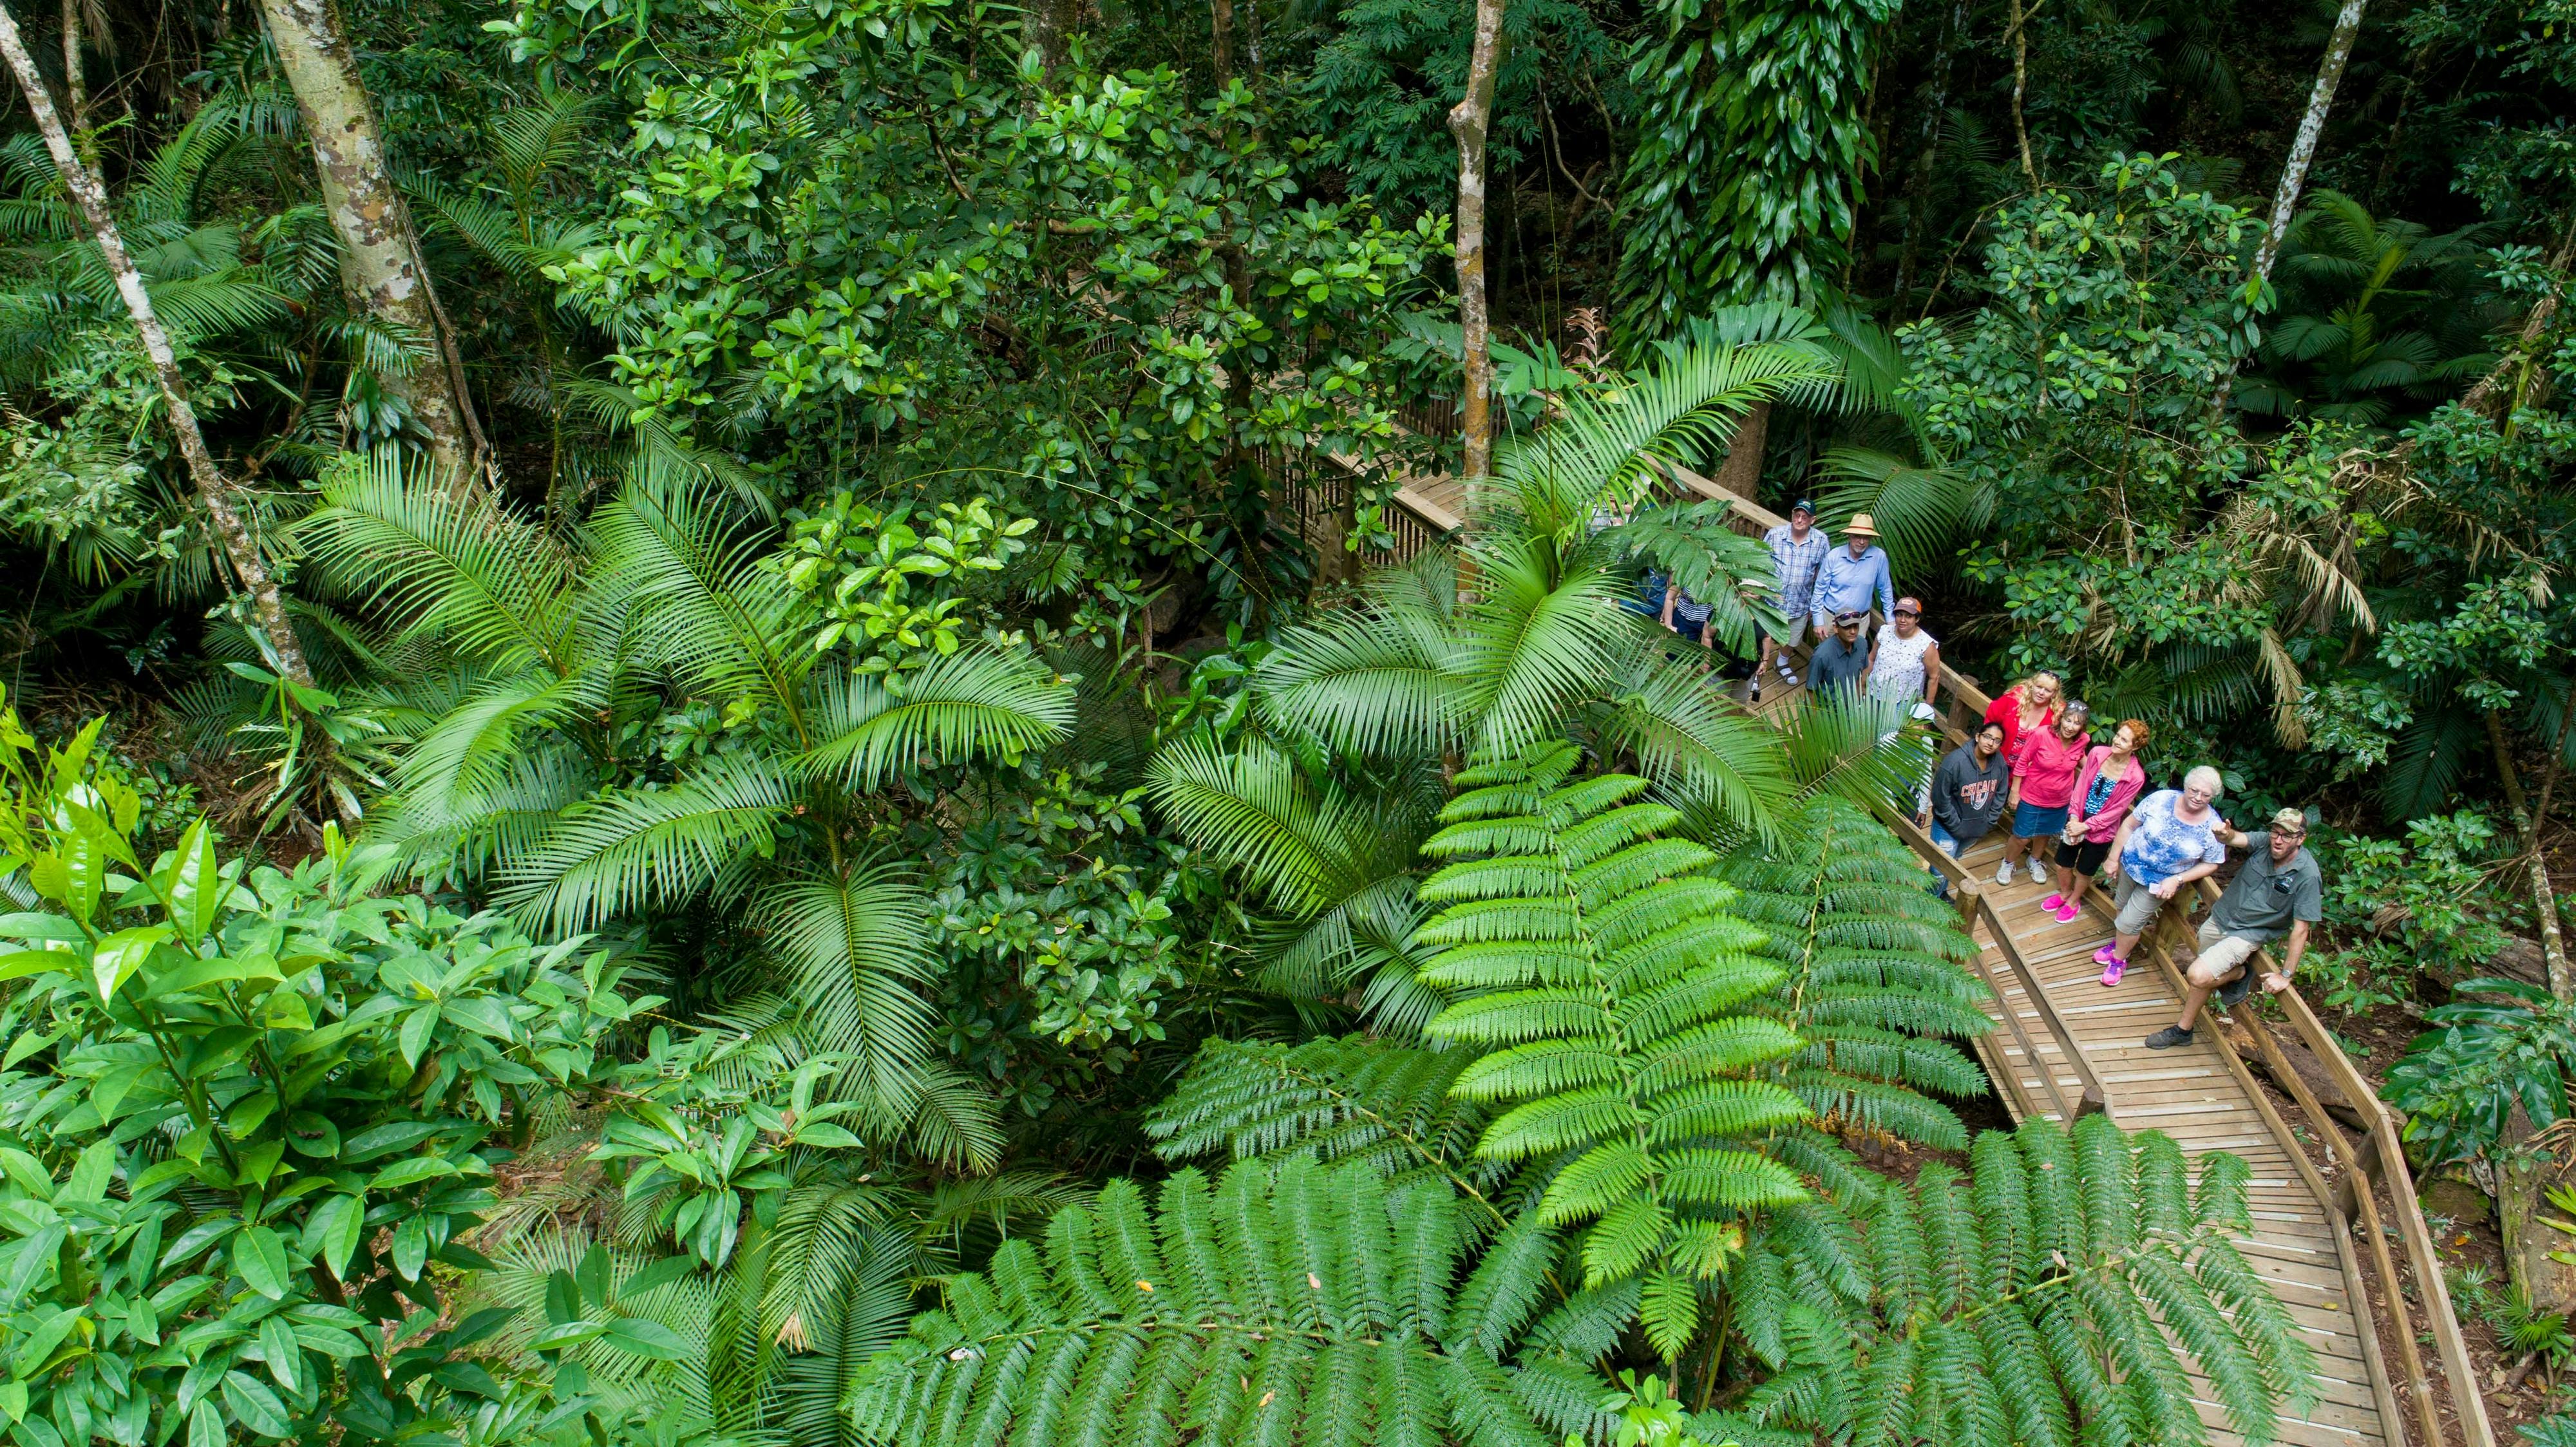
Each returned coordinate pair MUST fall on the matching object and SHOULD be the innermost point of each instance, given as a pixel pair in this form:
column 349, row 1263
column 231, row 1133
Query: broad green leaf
column 638, row 1336
column 40, row 927
column 205, row 1425
column 416, row 1032
column 222, row 969
column 668, row 1269
column 13, row 1400
column 283, row 1353
column 564, row 1334
column 197, row 887
column 313, row 1134
column 374, row 1141
column 19, row 964
column 411, row 1248
column 410, row 1172
column 40, row 1343
column 332, row 1232
column 261, row 1259
column 90, row 1174
column 121, row 954
column 255, row 1406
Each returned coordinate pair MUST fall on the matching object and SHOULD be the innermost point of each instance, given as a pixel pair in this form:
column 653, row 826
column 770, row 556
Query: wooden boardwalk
column 2200, row 1094
column 2191, row 1094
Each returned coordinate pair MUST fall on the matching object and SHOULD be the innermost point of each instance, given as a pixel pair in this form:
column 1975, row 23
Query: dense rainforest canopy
column 906, row 721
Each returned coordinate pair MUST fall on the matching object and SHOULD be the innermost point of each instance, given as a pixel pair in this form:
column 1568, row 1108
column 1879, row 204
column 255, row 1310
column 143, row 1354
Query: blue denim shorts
column 2031, row 821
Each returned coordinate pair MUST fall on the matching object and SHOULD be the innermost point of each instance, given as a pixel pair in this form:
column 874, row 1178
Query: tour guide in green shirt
column 2280, row 891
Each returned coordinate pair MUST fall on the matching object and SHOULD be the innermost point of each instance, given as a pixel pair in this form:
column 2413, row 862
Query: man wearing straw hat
column 1854, row 577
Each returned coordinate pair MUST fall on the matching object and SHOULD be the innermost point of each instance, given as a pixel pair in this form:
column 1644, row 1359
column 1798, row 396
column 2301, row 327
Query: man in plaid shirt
column 1798, row 549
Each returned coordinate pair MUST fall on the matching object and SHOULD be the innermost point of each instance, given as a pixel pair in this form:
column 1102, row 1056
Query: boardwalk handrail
column 2094, row 1097
column 2382, row 1156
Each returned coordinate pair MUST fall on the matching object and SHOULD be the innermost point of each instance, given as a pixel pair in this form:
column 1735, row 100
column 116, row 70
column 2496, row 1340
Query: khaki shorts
column 2133, row 906
column 2221, row 956
column 1793, row 631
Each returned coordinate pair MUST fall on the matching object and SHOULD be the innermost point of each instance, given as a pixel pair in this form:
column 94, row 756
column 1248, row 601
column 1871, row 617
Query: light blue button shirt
column 1845, row 584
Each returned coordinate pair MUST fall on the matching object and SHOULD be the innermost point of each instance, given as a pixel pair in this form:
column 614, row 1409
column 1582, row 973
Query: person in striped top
column 1798, row 549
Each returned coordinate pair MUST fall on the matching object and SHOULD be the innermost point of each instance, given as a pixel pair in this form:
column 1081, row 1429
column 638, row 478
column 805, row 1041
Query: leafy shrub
column 244, row 1112
column 2396, row 909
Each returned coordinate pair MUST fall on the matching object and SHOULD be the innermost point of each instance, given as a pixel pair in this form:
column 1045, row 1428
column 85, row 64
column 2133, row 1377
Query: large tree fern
column 1387, row 1106
column 1597, row 965
column 1310, row 1305
column 2037, row 1300
column 1873, row 974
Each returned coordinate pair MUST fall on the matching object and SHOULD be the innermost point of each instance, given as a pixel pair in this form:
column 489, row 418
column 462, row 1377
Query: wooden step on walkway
column 2190, row 1094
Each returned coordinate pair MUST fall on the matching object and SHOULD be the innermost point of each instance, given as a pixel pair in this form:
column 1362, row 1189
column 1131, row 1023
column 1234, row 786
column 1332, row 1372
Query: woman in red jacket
column 2026, row 708
column 2043, row 784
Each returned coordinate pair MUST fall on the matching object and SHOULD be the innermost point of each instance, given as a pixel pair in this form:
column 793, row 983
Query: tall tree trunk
column 212, row 489
column 1469, row 121
column 1742, row 472
column 380, row 262
column 1046, row 27
column 1221, row 32
column 1918, row 184
column 76, row 86
column 2021, row 83
column 2294, row 171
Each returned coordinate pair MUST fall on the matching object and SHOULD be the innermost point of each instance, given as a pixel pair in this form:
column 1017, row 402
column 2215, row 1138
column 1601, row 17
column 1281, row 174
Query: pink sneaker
column 2068, row 914
column 2053, row 903
column 2113, row 967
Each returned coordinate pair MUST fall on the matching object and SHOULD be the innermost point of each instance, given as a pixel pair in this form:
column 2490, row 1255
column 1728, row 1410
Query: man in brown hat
column 1854, row 577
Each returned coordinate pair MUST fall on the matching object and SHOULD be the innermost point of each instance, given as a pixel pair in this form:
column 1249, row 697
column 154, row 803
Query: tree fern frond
column 1098, row 1339
column 1985, row 1325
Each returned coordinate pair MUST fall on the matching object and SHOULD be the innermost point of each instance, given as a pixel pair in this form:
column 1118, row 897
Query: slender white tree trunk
column 380, row 263
column 2294, row 171
column 1469, row 121
column 240, row 549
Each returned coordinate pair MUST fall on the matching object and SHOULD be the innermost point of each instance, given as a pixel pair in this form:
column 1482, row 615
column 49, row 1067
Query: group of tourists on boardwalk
column 2072, row 793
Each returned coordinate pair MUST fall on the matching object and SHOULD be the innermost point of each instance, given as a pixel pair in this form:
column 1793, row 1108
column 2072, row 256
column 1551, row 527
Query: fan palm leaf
column 856, row 945
column 703, row 608
column 974, row 702
column 459, row 569
column 1681, row 410
column 633, row 848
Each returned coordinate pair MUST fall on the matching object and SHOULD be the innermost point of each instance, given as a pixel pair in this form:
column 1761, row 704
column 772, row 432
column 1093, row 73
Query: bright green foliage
column 2021, row 1303
column 1322, row 1306
column 1355, row 1099
column 1874, row 974
column 1747, row 182
column 863, row 563
column 2500, row 1048
column 1595, row 960
column 243, row 1114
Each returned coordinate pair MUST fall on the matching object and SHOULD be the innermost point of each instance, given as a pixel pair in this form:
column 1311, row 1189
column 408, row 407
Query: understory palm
column 1545, row 644
column 534, row 779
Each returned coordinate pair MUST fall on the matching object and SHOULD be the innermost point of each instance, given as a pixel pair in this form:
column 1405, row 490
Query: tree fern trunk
column 380, row 261
column 1469, row 121
column 240, row 549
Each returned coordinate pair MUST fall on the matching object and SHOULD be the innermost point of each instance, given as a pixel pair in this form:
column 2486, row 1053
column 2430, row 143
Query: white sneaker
column 2038, row 872
column 2003, row 872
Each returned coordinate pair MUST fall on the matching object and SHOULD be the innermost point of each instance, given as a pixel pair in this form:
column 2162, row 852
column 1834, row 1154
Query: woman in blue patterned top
column 2172, row 839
